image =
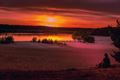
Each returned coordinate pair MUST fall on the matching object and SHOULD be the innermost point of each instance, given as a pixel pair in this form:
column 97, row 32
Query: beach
column 39, row 56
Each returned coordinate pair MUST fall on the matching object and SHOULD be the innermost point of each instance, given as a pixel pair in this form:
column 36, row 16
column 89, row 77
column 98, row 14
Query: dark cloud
column 108, row 6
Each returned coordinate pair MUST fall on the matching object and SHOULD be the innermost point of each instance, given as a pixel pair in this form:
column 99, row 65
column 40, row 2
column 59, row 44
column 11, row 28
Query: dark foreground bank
column 70, row 74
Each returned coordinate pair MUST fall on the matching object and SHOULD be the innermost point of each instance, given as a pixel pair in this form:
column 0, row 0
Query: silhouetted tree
column 115, row 36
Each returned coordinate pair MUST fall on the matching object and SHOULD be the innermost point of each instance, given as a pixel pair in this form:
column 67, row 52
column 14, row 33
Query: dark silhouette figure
column 106, row 62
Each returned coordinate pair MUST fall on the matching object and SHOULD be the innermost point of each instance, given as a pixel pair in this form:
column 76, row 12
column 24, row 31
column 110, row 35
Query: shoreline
column 80, row 74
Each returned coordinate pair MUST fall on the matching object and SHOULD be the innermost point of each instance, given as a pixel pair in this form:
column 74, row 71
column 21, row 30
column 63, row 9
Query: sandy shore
column 38, row 56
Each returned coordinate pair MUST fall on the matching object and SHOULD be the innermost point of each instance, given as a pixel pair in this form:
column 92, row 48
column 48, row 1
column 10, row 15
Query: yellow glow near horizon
column 51, row 21
column 61, row 37
column 54, row 38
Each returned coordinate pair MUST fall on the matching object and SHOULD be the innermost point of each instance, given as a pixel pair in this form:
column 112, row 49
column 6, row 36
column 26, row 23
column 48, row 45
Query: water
column 29, row 36
column 54, row 37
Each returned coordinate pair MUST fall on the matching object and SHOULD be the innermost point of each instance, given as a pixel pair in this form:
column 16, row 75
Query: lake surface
column 57, row 37
column 29, row 36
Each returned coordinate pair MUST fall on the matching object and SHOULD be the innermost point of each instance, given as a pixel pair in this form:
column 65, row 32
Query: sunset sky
column 60, row 13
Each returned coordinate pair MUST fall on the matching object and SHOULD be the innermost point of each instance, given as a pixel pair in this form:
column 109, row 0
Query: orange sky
column 58, row 17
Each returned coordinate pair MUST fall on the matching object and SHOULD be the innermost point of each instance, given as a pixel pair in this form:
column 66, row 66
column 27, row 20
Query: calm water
column 29, row 36
column 54, row 37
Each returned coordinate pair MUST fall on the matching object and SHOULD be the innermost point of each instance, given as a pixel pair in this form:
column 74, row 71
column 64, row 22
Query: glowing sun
column 50, row 21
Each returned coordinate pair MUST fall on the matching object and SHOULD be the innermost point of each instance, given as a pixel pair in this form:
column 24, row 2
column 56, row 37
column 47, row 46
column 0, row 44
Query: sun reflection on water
column 57, row 37
column 29, row 37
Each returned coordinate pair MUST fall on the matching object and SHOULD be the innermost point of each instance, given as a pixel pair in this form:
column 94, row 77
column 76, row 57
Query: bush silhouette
column 89, row 39
column 39, row 41
column 34, row 39
column 7, row 40
column 47, row 41
column 83, row 36
column 76, row 35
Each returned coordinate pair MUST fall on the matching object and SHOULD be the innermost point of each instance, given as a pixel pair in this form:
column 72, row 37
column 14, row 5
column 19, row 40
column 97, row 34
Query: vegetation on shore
column 47, row 41
column 83, row 37
column 6, row 40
